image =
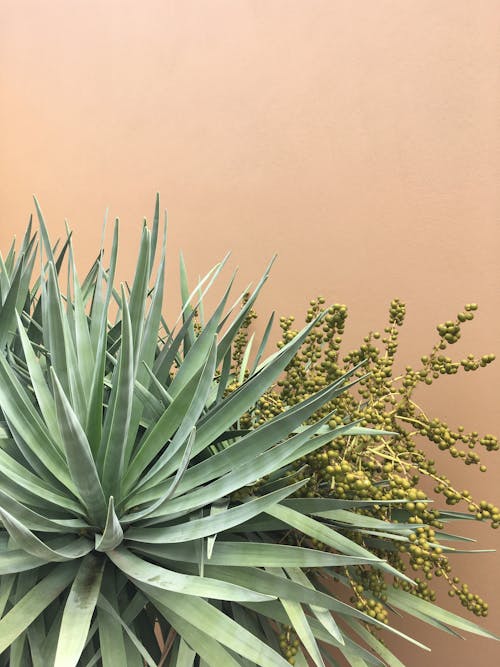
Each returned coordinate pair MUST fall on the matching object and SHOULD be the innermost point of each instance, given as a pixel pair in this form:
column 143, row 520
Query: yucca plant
column 141, row 522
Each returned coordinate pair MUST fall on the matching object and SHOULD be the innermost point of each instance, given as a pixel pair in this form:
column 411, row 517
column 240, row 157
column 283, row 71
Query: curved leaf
column 212, row 524
column 78, row 611
column 39, row 491
column 168, row 580
column 223, row 629
column 28, row 541
column 324, row 617
column 185, row 420
column 79, row 457
column 252, row 554
column 107, row 608
column 19, row 410
column 120, row 410
column 40, row 387
column 15, row 622
column 35, row 521
column 410, row 604
column 113, row 533
column 328, row 536
column 17, row 560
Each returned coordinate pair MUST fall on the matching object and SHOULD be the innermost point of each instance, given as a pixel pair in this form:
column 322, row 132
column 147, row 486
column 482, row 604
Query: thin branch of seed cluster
column 381, row 468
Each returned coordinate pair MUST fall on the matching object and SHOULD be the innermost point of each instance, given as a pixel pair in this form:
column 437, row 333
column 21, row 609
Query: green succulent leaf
column 325, row 534
column 323, row 616
column 79, row 457
column 159, row 577
column 223, row 629
column 209, row 649
column 213, row 524
column 8, row 307
column 42, row 392
column 112, row 535
column 78, row 611
column 36, row 521
column 120, row 410
column 20, row 412
column 252, row 554
column 114, row 651
column 23, row 485
column 413, row 605
column 31, row 544
column 22, row 614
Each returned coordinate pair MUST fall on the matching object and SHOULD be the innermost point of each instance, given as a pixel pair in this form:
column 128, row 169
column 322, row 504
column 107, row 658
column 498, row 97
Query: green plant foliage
column 143, row 519
column 389, row 467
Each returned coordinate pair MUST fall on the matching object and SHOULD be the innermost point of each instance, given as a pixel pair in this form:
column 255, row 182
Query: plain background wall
column 360, row 140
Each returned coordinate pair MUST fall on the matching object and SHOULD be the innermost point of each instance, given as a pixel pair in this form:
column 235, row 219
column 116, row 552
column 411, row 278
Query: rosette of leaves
column 119, row 452
column 134, row 529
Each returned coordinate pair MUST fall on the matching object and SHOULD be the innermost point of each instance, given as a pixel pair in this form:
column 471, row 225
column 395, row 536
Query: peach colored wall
column 361, row 140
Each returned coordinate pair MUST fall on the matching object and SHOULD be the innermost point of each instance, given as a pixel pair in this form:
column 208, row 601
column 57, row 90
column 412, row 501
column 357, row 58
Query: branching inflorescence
column 394, row 468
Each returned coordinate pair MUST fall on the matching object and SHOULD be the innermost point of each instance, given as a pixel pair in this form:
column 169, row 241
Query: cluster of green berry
column 289, row 643
column 386, row 467
column 369, row 592
column 241, row 338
